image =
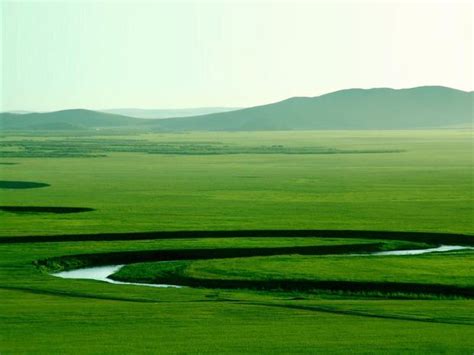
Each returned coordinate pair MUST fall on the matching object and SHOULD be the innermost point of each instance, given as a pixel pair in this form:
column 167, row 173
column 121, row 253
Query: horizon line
column 25, row 111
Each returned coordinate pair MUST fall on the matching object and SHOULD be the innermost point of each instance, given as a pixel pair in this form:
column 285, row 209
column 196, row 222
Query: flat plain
column 324, row 194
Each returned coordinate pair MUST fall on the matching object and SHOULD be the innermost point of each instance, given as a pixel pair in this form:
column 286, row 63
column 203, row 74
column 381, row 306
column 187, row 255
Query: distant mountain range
column 381, row 108
column 77, row 119
column 168, row 113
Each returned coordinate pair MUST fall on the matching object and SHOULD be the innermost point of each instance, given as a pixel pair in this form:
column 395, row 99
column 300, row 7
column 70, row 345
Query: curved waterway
column 441, row 248
column 102, row 273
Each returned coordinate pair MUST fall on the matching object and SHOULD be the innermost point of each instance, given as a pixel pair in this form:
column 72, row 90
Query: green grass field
column 422, row 269
column 315, row 182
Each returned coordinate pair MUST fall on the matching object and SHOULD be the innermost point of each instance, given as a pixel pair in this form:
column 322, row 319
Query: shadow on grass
column 422, row 237
column 42, row 209
column 4, row 184
column 370, row 287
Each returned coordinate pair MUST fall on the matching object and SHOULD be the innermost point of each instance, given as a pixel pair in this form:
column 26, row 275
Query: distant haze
column 237, row 53
column 168, row 113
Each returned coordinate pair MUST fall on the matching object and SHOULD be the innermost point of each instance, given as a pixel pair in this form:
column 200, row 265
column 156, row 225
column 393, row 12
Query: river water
column 422, row 251
column 102, row 273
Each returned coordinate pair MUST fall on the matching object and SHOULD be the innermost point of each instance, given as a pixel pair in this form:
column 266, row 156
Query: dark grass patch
column 1, row 163
column 309, row 286
column 4, row 184
column 71, row 262
column 418, row 237
column 41, row 209
column 82, row 147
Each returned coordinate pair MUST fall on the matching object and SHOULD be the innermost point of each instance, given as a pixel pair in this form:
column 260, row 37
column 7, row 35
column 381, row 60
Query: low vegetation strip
column 419, row 237
column 369, row 287
column 44, row 209
column 81, row 148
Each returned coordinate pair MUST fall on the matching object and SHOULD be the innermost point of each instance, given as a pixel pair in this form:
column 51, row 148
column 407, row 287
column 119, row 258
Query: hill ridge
column 419, row 107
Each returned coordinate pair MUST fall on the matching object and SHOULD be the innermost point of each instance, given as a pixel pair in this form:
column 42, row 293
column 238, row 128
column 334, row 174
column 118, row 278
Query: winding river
column 102, row 273
column 441, row 248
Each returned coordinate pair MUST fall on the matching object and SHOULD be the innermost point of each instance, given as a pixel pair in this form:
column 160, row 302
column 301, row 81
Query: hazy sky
column 173, row 54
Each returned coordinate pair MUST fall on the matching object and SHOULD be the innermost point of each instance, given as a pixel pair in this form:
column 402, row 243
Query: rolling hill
column 381, row 108
column 421, row 107
column 77, row 119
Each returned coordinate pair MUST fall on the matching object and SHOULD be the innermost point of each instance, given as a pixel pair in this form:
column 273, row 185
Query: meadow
column 249, row 207
column 428, row 187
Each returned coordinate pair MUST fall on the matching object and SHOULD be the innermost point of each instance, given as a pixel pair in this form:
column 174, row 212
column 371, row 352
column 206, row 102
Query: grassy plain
column 427, row 186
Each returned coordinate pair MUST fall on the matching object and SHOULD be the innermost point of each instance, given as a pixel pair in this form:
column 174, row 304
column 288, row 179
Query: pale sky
column 179, row 54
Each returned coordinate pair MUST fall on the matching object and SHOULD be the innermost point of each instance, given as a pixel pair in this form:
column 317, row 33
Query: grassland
column 426, row 188
column 445, row 273
column 424, row 184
